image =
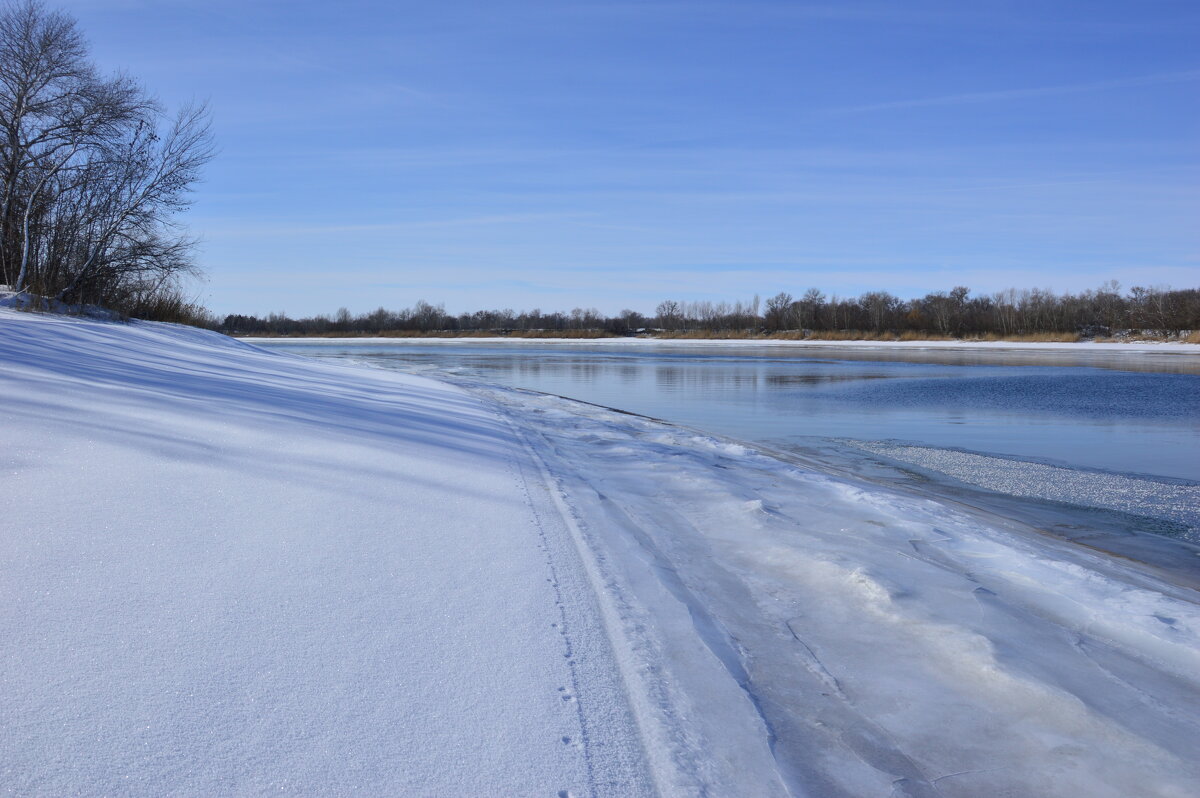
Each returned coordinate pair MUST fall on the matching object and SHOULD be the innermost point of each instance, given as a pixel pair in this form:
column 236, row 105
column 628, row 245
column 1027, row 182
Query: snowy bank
column 226, row 570
column 1164, row 347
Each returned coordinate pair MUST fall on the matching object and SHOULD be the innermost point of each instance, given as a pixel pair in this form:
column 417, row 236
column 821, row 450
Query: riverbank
column 1172, row 347
column 226, row 571
column 231, row 570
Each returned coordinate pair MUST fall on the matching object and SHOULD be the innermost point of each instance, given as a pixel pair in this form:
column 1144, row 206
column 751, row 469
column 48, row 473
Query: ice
column 228, row 571
column 1174, row 502
column 893, row 644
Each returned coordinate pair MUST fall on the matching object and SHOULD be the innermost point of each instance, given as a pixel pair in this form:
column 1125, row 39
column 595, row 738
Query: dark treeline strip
column 955, row 313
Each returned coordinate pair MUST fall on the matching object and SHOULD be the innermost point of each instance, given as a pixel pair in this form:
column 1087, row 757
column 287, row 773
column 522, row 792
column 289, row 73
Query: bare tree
column 809, row 307
column 879, row 308
column 130, row 228
column 668, row 313
column 779, row 311
column 631, row 320
column 91, row 171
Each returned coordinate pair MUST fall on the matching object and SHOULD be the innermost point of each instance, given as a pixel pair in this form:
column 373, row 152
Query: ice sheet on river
column 1173, row 501
column 892, row 645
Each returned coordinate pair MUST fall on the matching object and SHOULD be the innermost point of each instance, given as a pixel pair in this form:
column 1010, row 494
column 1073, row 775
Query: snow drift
column 226, row 571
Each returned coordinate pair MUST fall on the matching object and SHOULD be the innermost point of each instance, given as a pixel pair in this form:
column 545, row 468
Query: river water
column 1090, row 421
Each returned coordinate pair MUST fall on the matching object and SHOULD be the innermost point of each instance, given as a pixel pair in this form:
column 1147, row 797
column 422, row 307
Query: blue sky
column 613, row 154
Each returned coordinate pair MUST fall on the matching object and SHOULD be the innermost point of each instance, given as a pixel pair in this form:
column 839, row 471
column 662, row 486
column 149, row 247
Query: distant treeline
column 953, row 313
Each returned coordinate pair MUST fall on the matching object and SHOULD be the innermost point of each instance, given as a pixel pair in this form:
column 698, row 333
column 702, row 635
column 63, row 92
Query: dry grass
column 863, row 335
column 843, row 335
column 707, row 335
column 1033, row 338
column 560, row 334
column 866, row 335
column 170, row 307
column 912, row 335
column 859, row 335
column 1151, row 336
column 584, row 334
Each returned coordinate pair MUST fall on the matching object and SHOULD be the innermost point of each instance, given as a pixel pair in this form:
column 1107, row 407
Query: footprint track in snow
column 561, row 625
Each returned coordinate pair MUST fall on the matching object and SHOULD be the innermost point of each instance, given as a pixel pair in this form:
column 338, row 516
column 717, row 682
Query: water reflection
column 1165, row 362
column 1122, row 412
column 792, row 380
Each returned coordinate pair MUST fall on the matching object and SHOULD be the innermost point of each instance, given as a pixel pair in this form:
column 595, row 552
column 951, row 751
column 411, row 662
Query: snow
column 892, row 645
column 225, row 570
column 1139, row 347
column 23, row 300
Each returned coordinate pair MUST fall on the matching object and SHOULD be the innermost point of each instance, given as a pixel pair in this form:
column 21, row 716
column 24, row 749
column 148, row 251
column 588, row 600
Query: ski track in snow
column 722, row 754
column 586, row 645
column 227, row 571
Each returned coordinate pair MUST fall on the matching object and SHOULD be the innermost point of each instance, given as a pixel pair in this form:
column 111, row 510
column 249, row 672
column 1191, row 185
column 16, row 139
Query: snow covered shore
column 230, row 571
column 226, row 571
column 1142, row 347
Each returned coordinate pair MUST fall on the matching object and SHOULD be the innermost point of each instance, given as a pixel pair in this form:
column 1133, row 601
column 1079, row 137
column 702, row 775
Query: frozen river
column 1115, row 431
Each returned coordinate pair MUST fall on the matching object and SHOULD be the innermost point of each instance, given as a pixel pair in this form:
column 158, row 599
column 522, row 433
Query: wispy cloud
column 268, row 230
column 1018, row 94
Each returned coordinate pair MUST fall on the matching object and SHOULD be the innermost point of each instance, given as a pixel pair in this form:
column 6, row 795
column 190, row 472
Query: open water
column 1114, row 414
column 1111, row 433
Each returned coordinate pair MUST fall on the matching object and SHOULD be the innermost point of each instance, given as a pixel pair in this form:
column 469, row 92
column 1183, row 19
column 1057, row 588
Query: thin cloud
column 1017, row 94
column 390, row 227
